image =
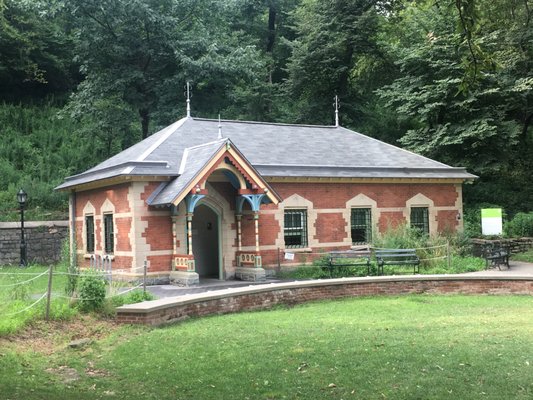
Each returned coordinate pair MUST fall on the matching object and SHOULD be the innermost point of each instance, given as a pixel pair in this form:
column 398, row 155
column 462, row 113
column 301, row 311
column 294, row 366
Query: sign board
column 289, row 256
column 491, row 221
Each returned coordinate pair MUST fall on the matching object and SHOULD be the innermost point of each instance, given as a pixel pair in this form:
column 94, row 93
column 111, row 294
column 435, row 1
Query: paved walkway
column 518, row 268
column 208, row 285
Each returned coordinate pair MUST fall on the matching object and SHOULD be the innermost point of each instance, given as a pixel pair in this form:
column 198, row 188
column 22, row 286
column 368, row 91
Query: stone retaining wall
column 517, row 245
column 261, row 297
column 44, row 240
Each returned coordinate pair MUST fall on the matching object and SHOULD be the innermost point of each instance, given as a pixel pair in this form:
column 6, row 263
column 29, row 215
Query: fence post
column 449, row 256
column 49, row 293
column 144, row 275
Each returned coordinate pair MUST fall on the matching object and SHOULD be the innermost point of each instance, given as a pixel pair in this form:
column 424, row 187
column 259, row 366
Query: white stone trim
column 459, row 207
column 88, row 210
column 296, row 201
column 361, row 201
column 420, row 200
column 108, row 208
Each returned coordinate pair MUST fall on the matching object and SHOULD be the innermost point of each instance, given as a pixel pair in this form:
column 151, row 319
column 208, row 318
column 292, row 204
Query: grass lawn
column 15, row 297
column 526, row 256
column 412, row 347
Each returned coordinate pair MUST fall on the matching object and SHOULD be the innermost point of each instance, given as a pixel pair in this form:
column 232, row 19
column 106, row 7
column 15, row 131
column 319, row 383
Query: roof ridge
column 444, row 166
column 171, row 129
column 264, row 123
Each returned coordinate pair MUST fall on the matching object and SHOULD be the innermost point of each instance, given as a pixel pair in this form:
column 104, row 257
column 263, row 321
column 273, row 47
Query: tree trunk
column 145, row 120
column 271, row 28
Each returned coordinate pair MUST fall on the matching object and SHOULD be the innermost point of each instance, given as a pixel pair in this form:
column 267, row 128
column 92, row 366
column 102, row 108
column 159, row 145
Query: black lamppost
column 21, row 198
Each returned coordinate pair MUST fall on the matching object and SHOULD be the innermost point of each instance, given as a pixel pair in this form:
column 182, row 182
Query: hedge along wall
column 173, row 309
column 44, row 240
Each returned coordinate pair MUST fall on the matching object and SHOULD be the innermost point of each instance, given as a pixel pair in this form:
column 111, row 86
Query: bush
column 135, row 296
column 92, row 291
column 521, row 225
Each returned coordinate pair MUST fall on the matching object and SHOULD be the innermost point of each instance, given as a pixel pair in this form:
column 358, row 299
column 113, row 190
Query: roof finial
column 188, row 96
column 219, row 128
column 337, row 106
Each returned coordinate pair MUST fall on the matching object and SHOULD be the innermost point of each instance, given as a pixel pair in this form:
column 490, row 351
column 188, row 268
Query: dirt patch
column 48, row 337
column 66, row 374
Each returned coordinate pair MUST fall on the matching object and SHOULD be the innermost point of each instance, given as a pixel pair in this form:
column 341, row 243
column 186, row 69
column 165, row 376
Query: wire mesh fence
column 24, row 291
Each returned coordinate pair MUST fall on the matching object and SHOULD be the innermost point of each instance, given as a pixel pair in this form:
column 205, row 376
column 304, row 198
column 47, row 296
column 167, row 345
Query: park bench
column 496, row 256
column 397, row 257
column 341, row 260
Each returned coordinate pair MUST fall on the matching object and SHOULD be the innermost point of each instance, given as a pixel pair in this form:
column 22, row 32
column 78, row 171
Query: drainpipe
column 72, row 227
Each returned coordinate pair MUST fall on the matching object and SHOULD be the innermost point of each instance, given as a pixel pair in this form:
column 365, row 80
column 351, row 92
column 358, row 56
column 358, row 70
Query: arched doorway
column 206, row 242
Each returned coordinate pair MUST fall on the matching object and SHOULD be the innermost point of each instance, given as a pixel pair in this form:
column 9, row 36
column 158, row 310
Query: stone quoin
column 223, row 199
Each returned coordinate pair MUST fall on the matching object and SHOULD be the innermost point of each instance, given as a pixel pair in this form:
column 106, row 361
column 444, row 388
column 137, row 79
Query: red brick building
column 203, row 198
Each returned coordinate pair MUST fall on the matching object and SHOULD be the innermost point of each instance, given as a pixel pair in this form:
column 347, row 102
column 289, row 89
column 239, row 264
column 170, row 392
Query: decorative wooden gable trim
column 229, row 157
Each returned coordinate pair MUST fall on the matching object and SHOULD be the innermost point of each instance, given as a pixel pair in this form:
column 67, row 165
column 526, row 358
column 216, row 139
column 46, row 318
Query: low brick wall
column 261, row 297
column 43, row 241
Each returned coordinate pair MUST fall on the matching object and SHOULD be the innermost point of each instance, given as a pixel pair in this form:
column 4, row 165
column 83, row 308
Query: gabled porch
column 217, row 186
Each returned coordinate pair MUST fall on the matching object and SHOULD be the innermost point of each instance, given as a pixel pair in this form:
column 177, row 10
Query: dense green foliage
column 410, row 347
column 521, row 225
column 92, row 291
column 81, row 80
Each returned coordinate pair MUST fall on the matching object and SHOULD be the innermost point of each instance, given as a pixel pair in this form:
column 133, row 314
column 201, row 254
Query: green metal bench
column 496, row 256
column 340, row 260
column 397, row 257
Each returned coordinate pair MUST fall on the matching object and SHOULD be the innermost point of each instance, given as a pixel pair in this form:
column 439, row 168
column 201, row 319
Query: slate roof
column 275, row 150
column 193, row 161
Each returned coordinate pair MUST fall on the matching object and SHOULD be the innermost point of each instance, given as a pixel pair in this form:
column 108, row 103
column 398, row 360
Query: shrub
column 521, row 225
column 92, row 291
column 71, row 268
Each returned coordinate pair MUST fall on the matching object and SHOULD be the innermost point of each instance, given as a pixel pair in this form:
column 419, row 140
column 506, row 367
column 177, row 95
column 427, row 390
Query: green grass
column 412, row 347
column 14, row 298
column 526, row 256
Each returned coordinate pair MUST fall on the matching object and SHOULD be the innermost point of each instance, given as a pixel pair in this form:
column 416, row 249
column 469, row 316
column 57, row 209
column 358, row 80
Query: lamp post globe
column 22, row 197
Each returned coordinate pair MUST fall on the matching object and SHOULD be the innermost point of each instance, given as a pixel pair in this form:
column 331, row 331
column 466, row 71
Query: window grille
column 295, row 230
column 420, row 219
column 89, row 227
column 361, row 224
column 109, row 233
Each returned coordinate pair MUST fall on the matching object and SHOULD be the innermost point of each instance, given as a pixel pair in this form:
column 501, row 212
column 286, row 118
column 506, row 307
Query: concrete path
column 517, row 268
column 208, row 285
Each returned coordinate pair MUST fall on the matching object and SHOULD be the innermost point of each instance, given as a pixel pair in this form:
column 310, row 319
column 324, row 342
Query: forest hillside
column 80, row 80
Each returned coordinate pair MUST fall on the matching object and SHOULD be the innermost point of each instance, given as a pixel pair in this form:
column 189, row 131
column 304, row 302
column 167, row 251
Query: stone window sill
column 299, row 250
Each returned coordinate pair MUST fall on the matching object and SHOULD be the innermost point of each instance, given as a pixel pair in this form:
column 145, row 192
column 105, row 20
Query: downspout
column 72, row 227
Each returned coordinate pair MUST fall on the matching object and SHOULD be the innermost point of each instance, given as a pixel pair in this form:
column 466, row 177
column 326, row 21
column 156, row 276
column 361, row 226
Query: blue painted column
column 191, row 200
column 255, row 203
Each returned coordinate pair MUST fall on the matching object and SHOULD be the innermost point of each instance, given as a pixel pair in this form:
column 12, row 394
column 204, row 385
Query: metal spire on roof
column 337, row 106
column 188, row 96
column 219, row 128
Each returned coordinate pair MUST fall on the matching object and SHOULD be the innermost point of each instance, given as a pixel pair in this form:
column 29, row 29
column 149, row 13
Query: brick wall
column 261, row 297
column 44, row 240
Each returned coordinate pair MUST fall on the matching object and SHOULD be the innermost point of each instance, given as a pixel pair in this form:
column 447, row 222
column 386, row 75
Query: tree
column 467, row 96
column 35, row 52
column 333, row 40
column 126, row 48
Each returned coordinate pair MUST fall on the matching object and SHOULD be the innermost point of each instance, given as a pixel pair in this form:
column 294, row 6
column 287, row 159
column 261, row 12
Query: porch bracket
column 191, row 200
column 254, row 200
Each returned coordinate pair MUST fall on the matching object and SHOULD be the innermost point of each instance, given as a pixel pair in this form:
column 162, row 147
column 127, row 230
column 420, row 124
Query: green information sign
column 491, row 221
column 491, row 213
